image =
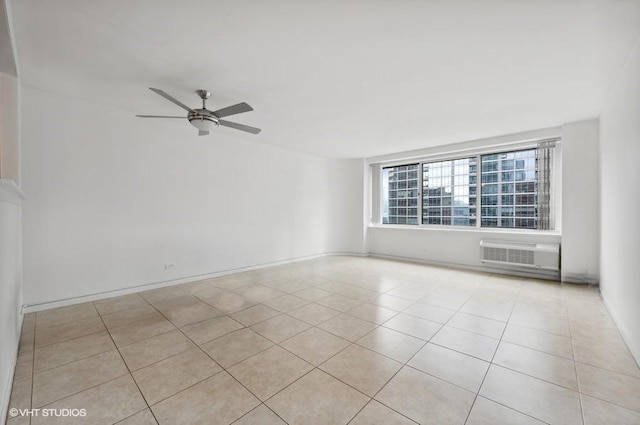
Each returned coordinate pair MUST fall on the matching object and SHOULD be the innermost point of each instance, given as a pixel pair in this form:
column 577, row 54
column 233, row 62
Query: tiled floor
column 333, row 341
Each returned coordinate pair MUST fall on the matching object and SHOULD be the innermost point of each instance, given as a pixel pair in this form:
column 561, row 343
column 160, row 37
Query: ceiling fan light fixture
column 201, row 122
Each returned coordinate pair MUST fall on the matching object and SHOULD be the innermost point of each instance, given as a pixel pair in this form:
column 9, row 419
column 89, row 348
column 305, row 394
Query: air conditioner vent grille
column 544, row 256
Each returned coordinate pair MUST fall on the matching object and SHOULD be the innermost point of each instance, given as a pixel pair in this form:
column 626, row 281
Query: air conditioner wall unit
column 522, row 254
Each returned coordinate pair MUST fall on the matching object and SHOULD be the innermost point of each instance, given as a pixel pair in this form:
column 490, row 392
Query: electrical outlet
column 169, row 266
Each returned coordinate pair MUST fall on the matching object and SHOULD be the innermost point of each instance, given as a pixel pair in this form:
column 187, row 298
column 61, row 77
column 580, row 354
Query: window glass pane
column 509, row 189
column 449, row 190
column 400, row 194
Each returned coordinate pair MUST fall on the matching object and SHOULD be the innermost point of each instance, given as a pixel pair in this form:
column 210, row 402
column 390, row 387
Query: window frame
column 452, row 156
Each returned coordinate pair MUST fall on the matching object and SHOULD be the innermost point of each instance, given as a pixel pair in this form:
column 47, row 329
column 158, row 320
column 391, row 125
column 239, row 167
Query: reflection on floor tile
column 334, row 340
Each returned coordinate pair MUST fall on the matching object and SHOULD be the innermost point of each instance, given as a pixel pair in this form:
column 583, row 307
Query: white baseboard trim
column 481, row 269
column 6, row 398
column 29, row 308
column 635, row 351
column 585, row 279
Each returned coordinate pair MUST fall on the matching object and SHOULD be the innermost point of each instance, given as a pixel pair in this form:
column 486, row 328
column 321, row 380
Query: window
column 449, row 192
column 510, row 189
column 400, row 194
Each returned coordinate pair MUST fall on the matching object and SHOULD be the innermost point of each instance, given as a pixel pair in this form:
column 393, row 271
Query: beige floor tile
column 194, row 313
column 144, row 417
column 114, row 305
column 258, row 293
column 312, row 294
column 287, row 286
column 487, row 412
column 62, row 381
column 475, row 345
column 317, row 399
column 130, row 316
column 76, row 329
column 315, row 345
column 286, row 303
column 313, row 313
column 279, row 328
column 614, row 357
column 174, row 374
column 154, row 349
column 160, row 294
column 446, row 298
column 489, row 307
column 231, row 282
column 414, row 326
column 361, row 294
column 372, row 313
column 544, row 401
column 24, row 366
column 390, row 343
column 230, row 302
column 363, row 369
column 553, row 325
column 65, row 315
column 347, row 327
column 598, row 412
column 27, row 342
column 19, row 420
column 430, row 312
column 476, row 324
column 68, row 351
column 218, row 400
column 256, row 314
column 557, row 370
column 20, row 397
column 539, row 340
column 236, row 346
column 261, row 415
column 28, row 323
column 332, row 286
column 392, row 302
column 208, row 330
column 270, row 371
column 410, row 293
column 339, row 302
column 454, row 367
column 613, row 387
column 105, row 404
column 145, row 328
column 426, row 399
column 375, row 413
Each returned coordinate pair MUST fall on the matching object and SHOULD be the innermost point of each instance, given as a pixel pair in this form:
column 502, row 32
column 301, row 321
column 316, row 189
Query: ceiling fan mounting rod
column 204, row 95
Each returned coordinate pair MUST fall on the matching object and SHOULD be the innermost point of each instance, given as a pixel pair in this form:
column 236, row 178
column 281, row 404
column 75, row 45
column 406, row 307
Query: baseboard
column 9, row 385
column 482, row 269
column 29, row 308
column 581, row 278
column 635, row 351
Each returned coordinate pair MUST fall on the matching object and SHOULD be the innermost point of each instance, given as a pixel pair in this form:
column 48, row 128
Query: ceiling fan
column 203, row 119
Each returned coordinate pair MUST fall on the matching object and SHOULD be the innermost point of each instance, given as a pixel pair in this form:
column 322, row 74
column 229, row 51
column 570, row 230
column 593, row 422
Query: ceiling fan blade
column 158, row 116
column 232, row 110
column 203, row 133
column 171, row 99
column 237, row 126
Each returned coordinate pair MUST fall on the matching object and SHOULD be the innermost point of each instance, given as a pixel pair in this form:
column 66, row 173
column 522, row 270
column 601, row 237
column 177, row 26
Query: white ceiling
column 337, row 78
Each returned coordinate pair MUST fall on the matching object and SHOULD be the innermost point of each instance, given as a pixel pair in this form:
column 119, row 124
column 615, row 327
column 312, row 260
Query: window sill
column 466, row 229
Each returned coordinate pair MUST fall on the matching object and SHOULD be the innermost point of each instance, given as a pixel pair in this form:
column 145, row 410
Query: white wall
column 9, row 128
column 580, row 202
column 113, row 198
column 10, row 287
column 620, row 177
